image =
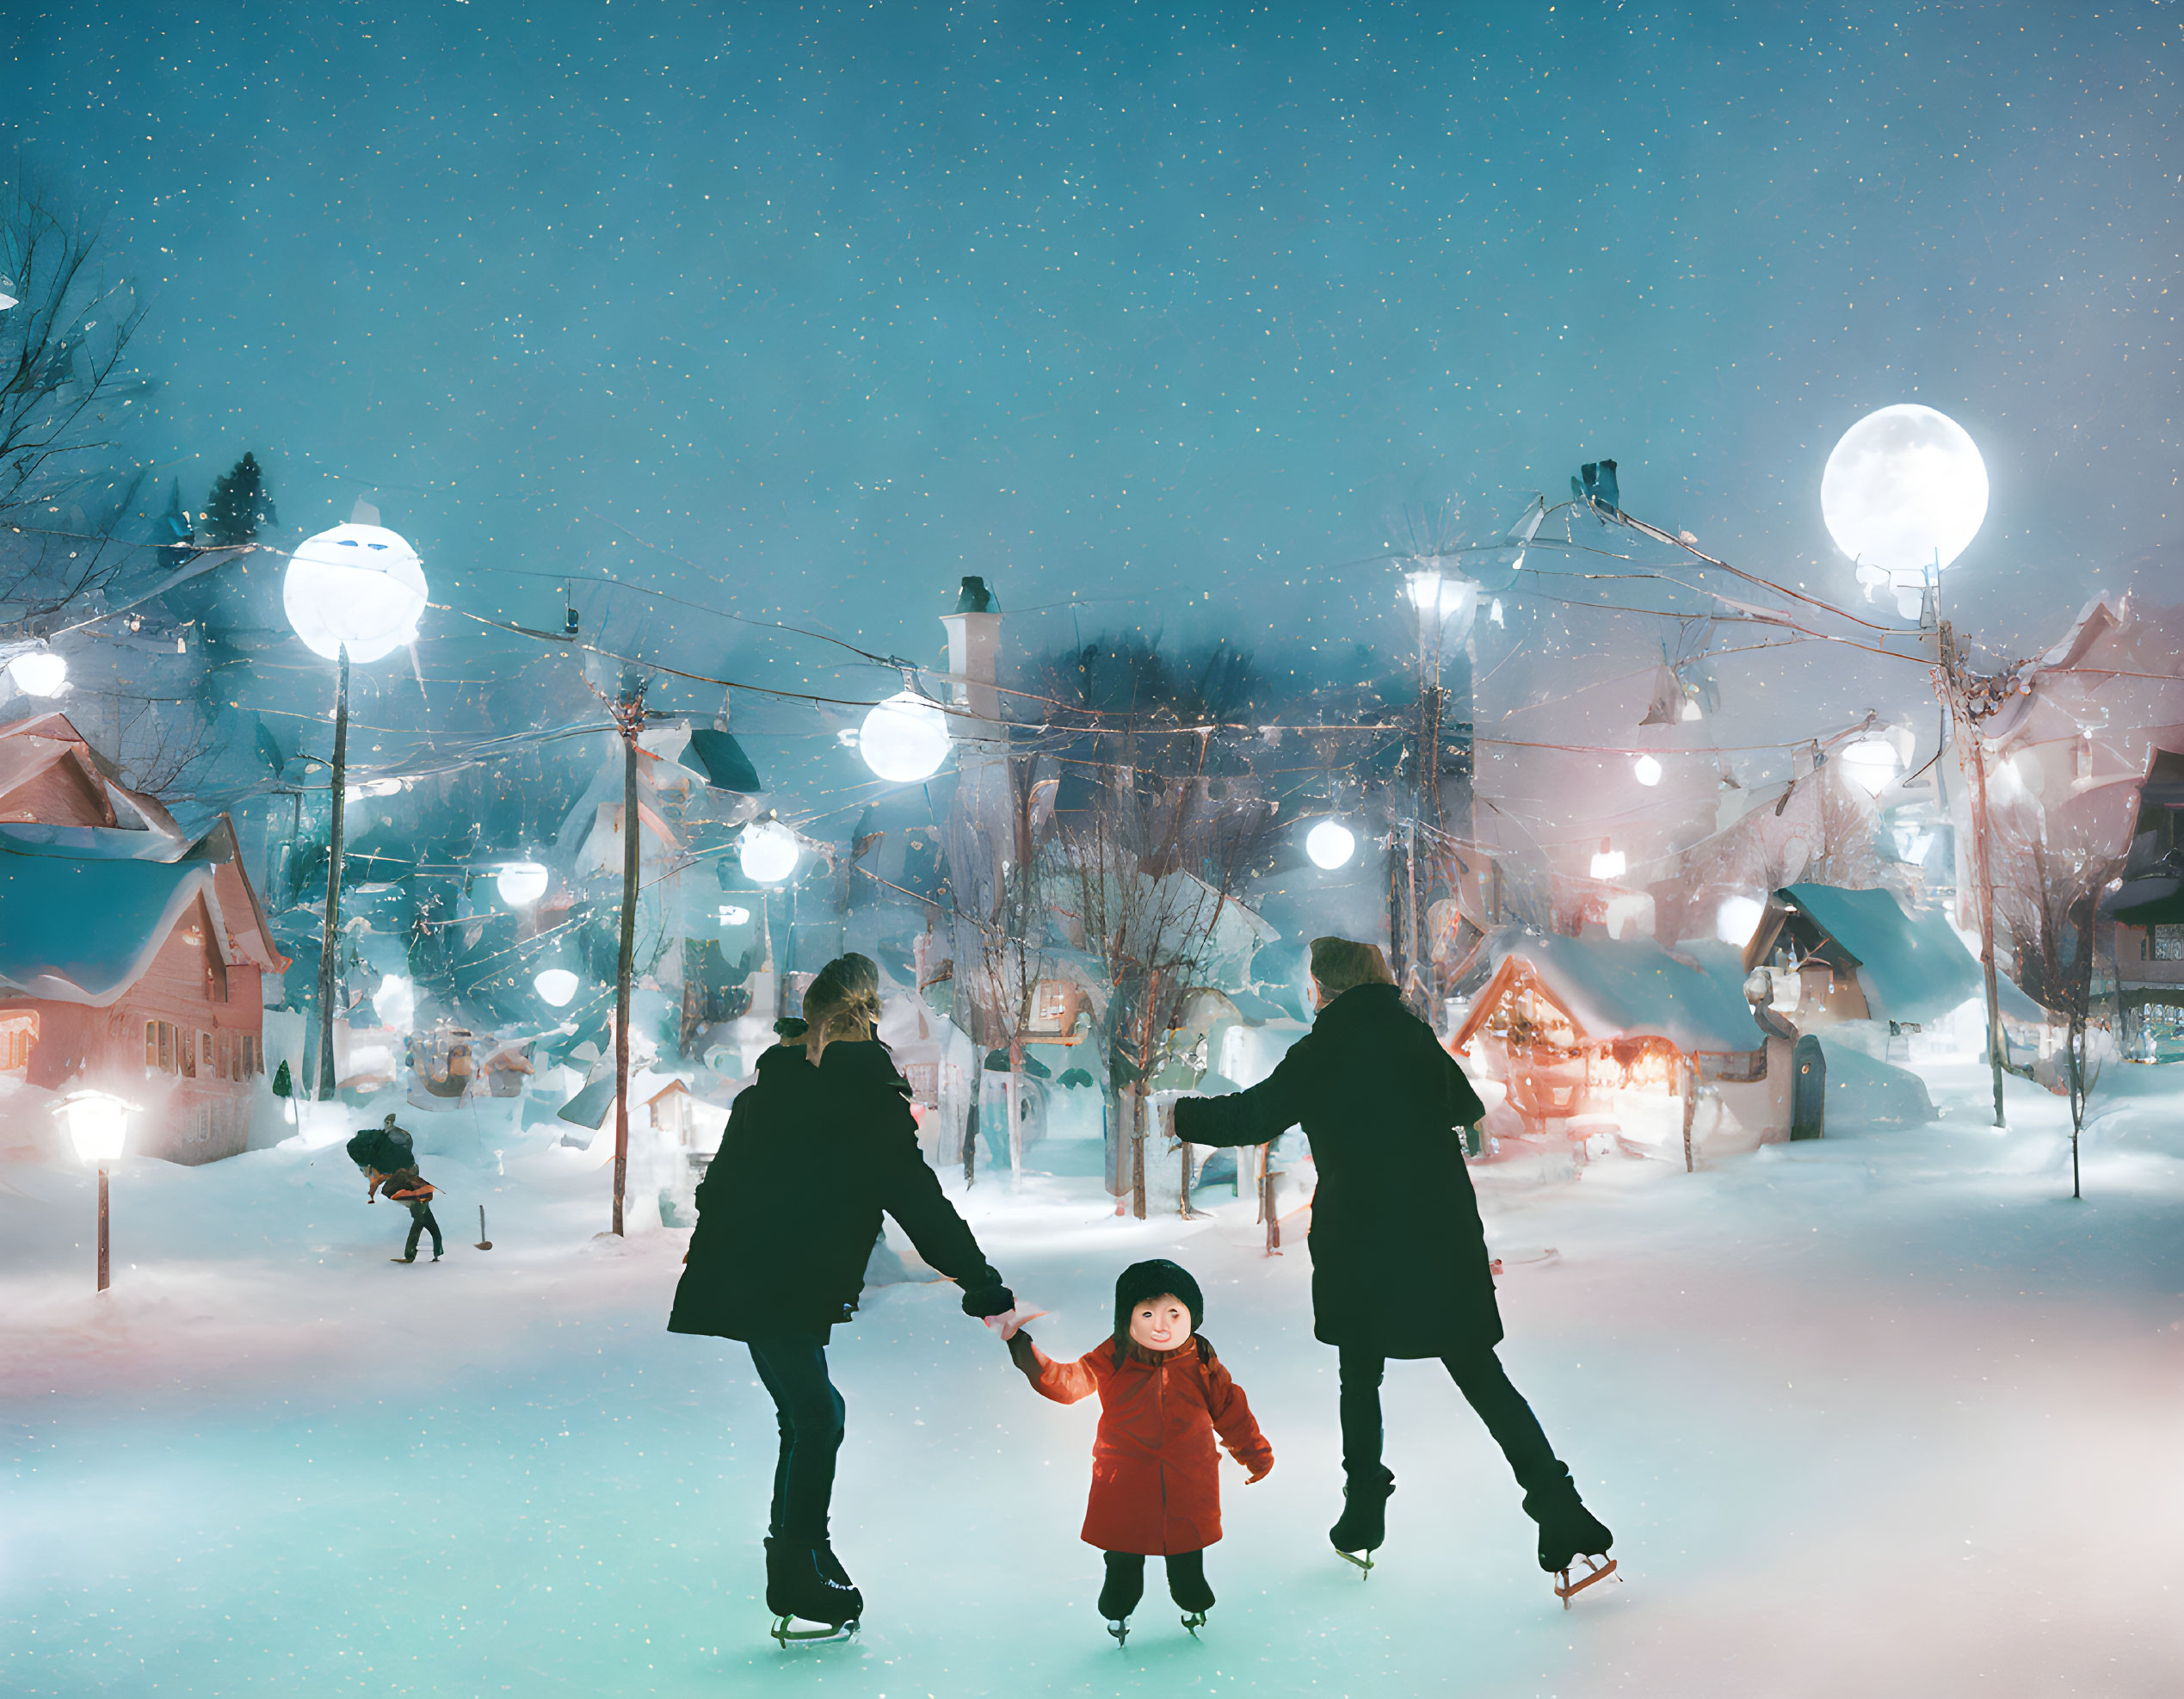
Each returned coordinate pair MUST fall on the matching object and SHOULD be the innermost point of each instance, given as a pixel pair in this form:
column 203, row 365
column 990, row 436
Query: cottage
column 131, row 953
column 1595, row 1034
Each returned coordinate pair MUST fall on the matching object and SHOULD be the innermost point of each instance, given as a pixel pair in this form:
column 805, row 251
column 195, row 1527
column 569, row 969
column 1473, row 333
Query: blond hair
column 840, row 1005
column 1342, row 964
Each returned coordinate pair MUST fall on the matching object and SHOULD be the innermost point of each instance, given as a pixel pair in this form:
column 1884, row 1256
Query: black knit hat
column 1141, row 1280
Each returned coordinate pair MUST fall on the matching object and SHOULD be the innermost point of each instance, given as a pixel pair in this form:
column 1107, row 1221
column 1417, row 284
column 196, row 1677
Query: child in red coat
column 1163, row 1397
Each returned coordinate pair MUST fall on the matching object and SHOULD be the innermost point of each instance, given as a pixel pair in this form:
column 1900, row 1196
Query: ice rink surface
column 1885, row 1414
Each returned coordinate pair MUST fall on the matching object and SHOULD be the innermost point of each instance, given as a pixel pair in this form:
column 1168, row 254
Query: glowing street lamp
column 522, row 883
column 768, row 851
column 98, row 1126
column 1330, row 845
column 557, row 985
column 905, row 738
column 1870, row 763
column 40, row 672
column 1648, row 771
column 353, row 593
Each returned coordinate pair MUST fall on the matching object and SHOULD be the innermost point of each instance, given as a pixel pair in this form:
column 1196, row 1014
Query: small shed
column 1860, row 956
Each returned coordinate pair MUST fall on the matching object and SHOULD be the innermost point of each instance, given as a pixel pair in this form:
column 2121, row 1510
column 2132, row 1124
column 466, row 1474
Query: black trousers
column 421, row 1221
column 1125, row 1583
column 810, row 1413
column 1485, row 1387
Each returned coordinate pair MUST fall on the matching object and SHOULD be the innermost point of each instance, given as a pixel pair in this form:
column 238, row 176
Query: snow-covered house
column 1861, row 955
column 131, row 953
column 1593, row 1034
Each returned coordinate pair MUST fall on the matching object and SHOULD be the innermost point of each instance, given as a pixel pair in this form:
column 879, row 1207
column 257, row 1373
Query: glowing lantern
column 522, row 883
column 1330, row 845
column 39, row 671
column 1870, row 763
column 1648, row 770
column 1737, row 919
column 905, row 738
column 556, row 984
column 768, row 851
column 1609, row 863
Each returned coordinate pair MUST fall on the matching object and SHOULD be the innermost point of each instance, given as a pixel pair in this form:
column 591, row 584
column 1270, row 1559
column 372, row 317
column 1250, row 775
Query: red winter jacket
column 1155, row 1482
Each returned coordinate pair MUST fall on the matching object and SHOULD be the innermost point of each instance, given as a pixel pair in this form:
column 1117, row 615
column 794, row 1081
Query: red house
column 130, row 952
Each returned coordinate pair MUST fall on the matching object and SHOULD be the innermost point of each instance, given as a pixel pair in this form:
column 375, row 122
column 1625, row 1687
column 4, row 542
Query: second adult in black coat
column 1399, row 1263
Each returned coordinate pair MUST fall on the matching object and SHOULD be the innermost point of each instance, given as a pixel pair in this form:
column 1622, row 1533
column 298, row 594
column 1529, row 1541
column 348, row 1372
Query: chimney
column 974, row 649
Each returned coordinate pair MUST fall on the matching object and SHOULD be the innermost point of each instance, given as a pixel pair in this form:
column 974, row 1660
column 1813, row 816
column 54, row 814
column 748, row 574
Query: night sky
column 804, row 312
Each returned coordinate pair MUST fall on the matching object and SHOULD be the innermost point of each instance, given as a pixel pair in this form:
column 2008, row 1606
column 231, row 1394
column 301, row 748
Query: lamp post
column 353, row 593
column 97, row 1126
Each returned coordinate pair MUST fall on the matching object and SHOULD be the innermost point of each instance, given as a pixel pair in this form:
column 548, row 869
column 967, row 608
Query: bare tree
column 1146, row 875
column 2050, row 872
column 66, row 386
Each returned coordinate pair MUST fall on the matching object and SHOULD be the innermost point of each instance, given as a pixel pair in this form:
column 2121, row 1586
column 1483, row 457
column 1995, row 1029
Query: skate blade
column 1194, row 1621
column 784, row 1635
column 1568, row 1589
column 1121, row 1633
column 1364, row 1563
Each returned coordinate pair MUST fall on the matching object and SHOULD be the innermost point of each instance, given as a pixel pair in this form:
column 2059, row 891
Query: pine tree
column 238, row 506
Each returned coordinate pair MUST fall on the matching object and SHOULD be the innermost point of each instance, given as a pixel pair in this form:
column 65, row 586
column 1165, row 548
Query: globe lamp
column 522, row 883
column 905, row 738
column 1330, row 845
column 40, row 672
column 768, row 851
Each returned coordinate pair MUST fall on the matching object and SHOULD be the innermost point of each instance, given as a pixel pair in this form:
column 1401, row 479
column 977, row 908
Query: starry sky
column 1158, row 317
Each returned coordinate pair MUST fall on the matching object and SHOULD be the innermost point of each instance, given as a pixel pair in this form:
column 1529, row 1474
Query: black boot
column 1124, row 1585
column 1363, row 1525
column 1567, row 1529
column 777, row 1569
column 806, row 1588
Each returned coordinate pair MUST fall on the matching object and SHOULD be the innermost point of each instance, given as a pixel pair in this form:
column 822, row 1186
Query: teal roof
column 1911, row 966
column 85, row 929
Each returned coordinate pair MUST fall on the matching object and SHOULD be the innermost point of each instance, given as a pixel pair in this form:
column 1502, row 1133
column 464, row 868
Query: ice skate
column 1570, row 1533
column 1363, row 1525
column 1121, row 1630
column 1566, row 1590
column 1195, row 1621
column 807, row 1584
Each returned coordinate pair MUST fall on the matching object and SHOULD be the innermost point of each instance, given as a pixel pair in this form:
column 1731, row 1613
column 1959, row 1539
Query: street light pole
column 105, row 1277
column 629, row 720
column 329, row 947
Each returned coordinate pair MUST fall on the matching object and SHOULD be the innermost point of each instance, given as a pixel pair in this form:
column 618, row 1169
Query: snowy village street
column 750, row 754
column 1878, row 1415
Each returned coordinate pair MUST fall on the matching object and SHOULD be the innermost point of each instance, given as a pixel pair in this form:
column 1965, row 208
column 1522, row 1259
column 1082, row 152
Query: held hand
column 1007, row 1324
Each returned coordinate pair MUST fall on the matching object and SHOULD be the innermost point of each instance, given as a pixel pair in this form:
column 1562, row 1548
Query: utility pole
column 628, row 712
column 330, row 944
column 1953, row 681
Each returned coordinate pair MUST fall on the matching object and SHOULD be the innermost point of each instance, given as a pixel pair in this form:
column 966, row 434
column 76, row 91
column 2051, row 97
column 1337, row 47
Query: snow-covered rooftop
column 1632, row 988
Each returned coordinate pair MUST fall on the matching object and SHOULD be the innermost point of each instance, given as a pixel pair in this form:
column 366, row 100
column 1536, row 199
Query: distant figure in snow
column 1155, row 1473
column 1399, row 1262
column 387, row 1156
column 817, row 1148
column 412, row 1188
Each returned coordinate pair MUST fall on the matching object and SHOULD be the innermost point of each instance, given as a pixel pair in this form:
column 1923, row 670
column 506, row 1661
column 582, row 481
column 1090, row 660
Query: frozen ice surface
column 1886, row 1414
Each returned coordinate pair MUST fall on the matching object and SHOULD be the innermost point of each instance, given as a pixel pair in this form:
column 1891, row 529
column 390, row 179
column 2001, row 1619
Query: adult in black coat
column 816, row 1149
column 1399, row 1262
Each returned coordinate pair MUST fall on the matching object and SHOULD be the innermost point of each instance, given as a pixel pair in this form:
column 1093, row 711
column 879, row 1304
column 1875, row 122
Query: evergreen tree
column 238, row 504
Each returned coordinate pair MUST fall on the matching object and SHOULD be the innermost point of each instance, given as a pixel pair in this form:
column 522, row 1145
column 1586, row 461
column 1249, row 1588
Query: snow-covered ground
column 1887, row 1414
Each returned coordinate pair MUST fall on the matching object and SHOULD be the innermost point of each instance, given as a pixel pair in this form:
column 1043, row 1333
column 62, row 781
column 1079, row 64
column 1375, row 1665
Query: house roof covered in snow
column 1911, row 966
column 82, row 930
column 1613, row 988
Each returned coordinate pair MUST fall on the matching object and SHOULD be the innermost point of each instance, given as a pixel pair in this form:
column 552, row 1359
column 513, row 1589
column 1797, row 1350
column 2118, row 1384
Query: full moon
column 1905, row 486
